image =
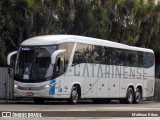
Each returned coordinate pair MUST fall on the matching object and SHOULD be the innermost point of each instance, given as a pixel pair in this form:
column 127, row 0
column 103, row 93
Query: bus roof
column 57, row 39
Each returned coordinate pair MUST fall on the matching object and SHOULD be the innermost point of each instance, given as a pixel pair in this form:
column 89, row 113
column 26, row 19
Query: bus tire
column 74, row 95
column 138, row 96
column 129, row 96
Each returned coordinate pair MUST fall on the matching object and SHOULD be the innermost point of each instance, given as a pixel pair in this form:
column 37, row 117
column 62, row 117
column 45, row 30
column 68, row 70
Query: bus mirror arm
column 9, row 62
column 54, row 55
column 9, row 57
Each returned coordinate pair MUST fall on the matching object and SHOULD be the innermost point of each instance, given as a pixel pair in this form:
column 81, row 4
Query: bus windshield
column 35, row 62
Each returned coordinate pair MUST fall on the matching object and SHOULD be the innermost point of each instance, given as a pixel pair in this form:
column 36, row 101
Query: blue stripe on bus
column 52, row 88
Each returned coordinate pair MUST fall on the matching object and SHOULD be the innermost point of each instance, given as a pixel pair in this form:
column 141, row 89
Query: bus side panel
column 149, row 82
column 59, row 88
column 102, row 88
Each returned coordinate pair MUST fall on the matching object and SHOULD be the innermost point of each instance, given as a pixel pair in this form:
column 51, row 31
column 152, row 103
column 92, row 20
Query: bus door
column 60, row 69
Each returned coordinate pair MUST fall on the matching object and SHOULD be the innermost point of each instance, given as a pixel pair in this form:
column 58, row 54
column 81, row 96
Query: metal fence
column 6, row 84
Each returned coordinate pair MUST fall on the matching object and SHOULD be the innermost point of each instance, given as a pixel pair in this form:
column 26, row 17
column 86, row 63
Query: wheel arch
column 131, row 86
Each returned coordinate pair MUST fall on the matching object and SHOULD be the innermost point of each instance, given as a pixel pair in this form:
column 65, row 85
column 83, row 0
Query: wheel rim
column 130, row 96
column 74, row 96
column 138, row 96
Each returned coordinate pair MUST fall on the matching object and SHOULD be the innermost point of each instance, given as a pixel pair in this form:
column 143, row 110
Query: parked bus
column 75, row 67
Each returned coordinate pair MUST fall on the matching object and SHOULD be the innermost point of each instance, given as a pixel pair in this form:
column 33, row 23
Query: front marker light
column 15, row 86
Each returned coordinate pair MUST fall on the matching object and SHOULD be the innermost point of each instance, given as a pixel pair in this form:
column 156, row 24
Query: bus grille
column 31, row 88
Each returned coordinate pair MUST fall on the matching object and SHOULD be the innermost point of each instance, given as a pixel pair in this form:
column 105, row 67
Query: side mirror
column 9, row 57
column 54, row 55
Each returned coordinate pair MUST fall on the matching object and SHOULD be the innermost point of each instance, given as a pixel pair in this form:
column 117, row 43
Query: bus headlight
column 15, row 86
column 47, row 86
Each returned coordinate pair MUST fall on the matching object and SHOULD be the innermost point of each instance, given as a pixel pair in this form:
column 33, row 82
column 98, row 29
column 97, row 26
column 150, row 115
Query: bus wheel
column 138, row 96
column 38, row 100
column 74, row 95
column 129, row 96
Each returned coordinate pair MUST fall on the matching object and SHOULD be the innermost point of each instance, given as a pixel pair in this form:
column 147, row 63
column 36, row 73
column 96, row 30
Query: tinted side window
column 122, row 57
column 80, row 54
column 141, row 59
column 96, row 54
column 86, row 53
column 149, row 60
column 132, row 59
column 107, row 55
column 114, row 56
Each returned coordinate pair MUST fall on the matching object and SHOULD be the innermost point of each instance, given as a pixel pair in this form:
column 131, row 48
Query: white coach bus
column 74, row 67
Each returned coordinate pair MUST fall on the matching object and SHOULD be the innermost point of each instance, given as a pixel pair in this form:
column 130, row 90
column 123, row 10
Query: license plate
column 30, row 94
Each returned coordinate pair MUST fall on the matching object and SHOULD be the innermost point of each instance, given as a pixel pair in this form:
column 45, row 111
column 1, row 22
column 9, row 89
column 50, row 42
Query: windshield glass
column 35, row 62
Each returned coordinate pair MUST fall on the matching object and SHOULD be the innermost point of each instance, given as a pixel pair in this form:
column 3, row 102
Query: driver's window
column 60, row 66
column 63, row 58
column 62, row 69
